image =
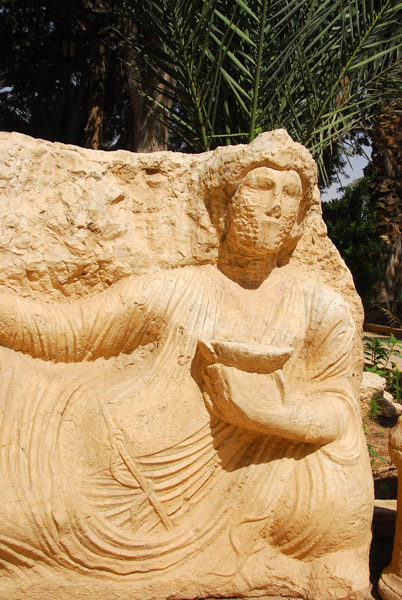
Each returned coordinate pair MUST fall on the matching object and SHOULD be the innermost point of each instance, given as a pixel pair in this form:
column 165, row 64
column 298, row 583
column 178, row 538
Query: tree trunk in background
column 386, row 191
column 93, row 128
column 149, row 133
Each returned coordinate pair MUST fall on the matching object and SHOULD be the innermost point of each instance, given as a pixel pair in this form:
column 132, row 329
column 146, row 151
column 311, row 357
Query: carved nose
column 274, row 211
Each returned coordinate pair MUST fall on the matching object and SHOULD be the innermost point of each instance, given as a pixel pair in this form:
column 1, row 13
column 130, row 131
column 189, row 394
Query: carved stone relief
column 180, row 358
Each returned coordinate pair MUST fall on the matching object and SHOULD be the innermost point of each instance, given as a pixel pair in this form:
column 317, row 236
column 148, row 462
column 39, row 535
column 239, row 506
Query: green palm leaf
column 319, row 68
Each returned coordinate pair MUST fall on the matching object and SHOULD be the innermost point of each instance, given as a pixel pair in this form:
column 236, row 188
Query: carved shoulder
column 114, row 321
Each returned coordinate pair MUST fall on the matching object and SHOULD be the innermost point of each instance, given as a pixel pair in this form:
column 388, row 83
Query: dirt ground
column 384, row 471
column 385, row 477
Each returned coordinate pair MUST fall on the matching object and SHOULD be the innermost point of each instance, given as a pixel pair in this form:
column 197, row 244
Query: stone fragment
column 398, row 408
column 388, row 406
column 179, row 365
column 371, row 384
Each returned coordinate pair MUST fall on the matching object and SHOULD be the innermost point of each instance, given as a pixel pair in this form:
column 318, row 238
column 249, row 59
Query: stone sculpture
column 179, row 419
column 390, row 584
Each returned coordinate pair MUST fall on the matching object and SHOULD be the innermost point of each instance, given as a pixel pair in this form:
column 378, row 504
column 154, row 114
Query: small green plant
column 393, row 318
column 393, row 312
column 374, row 409
column 375, row 369
column 394, row 347
column 378, row 352
column 375, row 456
column 375, row 352
column 394, row 382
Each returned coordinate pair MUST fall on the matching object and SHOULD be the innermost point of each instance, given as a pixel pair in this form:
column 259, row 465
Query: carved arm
column 264, row 403
column 313, row 406
column 105, row 325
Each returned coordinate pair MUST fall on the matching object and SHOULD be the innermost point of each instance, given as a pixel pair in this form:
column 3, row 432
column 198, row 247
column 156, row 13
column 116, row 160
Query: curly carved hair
column 227, row 166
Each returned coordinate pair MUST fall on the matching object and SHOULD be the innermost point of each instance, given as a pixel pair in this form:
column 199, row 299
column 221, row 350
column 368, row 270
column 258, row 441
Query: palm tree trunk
column 93, row 129
column 150, row 134
column 386, row 192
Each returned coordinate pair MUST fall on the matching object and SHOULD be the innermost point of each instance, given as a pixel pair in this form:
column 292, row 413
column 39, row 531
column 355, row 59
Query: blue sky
column 352, row 172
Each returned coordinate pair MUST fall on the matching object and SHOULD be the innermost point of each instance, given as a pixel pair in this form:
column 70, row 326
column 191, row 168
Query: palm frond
column 319, row 68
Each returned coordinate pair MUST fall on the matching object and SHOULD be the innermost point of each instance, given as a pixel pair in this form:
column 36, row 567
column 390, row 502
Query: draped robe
column 111, row 462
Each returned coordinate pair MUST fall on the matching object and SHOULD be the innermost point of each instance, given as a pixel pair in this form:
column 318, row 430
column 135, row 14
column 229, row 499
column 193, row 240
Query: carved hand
column 264, row 401
column 244, row 399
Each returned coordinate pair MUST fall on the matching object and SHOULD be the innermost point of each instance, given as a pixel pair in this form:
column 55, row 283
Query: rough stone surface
column 388, row 406
column 371, row 384
column 180, row 367
column 398, row 408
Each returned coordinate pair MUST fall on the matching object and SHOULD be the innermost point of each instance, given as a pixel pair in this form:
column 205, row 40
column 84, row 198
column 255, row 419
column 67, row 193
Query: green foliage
column 392, row 312
column 375, row 456
column 318, row 68
column 378, row 352
column 351, row 222
column 374, row 409
column 372, row 450
column 376, row 370
column 38, row 85
column 395, row 383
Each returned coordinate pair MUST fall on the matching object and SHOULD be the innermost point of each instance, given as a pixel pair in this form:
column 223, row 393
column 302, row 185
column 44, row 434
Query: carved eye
column 260, row 179
column 265, row 183
column 291, row 189
column 292, row 185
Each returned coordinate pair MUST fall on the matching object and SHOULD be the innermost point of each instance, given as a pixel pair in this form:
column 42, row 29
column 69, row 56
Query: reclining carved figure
column 193, row 431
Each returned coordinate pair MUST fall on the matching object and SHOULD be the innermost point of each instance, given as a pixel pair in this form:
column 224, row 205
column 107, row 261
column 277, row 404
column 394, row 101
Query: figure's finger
column 207, row 351
column 208, row 402
column 282, row 385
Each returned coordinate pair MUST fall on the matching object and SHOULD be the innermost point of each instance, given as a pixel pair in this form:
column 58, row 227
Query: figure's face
column 263, row 210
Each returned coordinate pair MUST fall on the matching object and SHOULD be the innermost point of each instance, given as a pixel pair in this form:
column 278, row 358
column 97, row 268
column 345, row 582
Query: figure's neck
column 249, row 271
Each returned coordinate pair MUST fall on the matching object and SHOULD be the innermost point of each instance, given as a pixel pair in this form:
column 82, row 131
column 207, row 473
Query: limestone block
column 180, row 365
column 398, row 408
column 372, row 384
column 388, row 406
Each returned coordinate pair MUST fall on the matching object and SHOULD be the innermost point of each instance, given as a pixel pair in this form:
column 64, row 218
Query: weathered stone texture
column 179, row 375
